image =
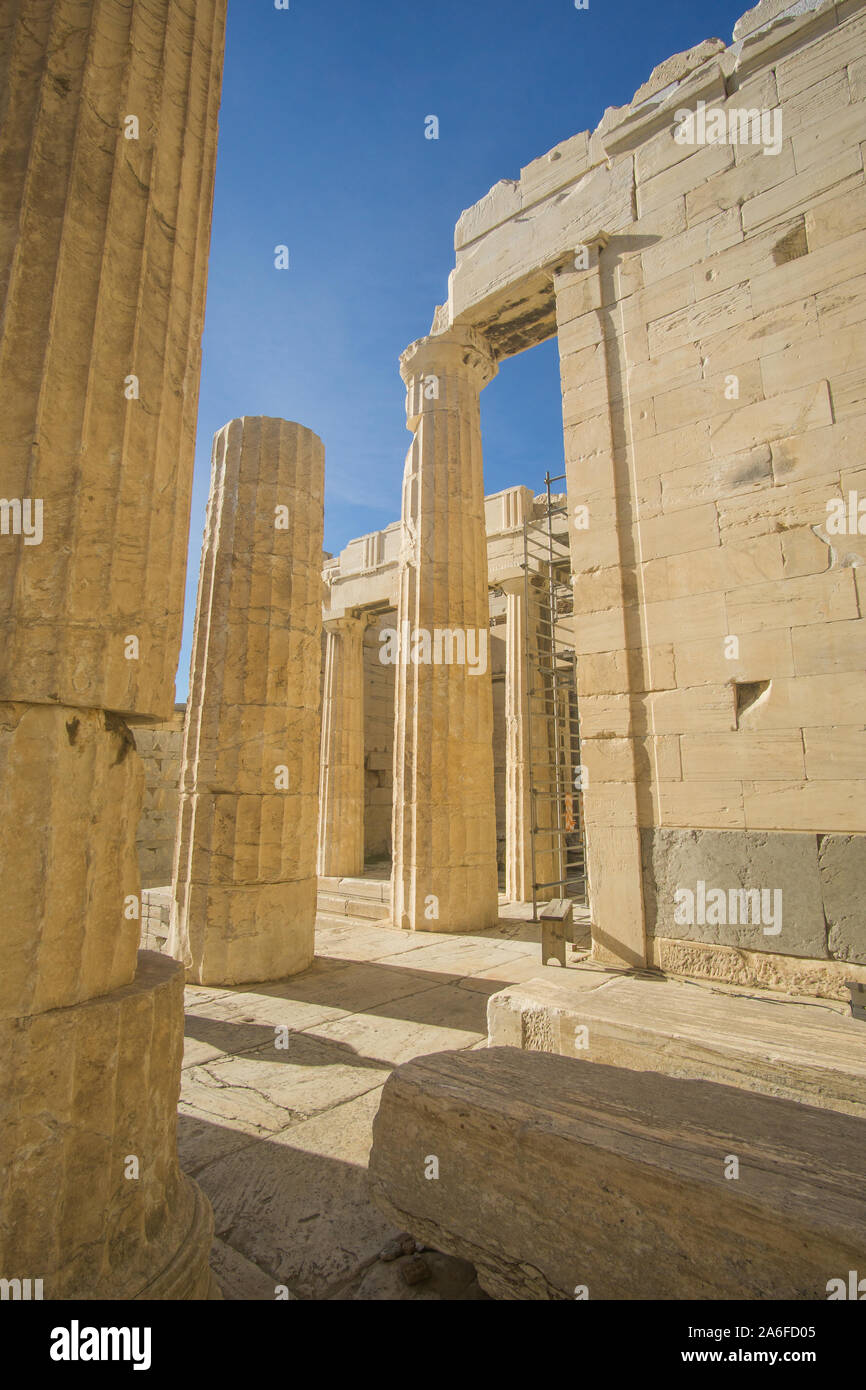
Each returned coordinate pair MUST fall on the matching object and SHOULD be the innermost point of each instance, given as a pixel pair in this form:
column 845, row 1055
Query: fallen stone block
column 558, row 1179
column 796, row 1051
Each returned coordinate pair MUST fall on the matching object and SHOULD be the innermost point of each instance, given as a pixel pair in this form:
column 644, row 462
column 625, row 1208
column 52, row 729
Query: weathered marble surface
column 279, row 1139
column 107, row 155
column 761, row 1042
column 556, row 1175
column 244, row 873
column 444, row 812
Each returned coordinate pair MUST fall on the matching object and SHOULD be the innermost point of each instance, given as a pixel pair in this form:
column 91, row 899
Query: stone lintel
column 344, row 619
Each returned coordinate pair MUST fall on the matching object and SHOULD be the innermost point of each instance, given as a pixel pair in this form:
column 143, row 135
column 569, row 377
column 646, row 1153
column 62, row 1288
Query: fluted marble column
column 107, row 150
column 341, row 784
column 444, row 874
column 244, row 900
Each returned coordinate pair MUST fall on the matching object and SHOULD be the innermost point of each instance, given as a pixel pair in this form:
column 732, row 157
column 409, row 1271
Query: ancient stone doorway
column 378, row 744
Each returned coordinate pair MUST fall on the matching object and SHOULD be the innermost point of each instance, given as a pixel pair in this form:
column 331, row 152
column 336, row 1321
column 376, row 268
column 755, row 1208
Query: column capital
column 460, row 351
column 512, row 579
column 347, row 621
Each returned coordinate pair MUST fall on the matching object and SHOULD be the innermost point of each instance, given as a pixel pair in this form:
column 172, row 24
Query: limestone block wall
column 159, row 748
column 155, row 917
column 735, row 392
column 710, row 303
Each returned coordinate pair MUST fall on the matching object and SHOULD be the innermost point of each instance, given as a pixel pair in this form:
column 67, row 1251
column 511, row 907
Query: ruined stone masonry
column 245, row 873
column 700, row 259
column 640, row 1208
column 103, row 257
column 708, row 303
column 358, row 711
column 160, row 750
column 706, row 299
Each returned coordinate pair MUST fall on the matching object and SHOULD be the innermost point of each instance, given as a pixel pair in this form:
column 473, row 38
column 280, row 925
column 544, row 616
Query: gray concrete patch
column 736, row 859
column 842, row 867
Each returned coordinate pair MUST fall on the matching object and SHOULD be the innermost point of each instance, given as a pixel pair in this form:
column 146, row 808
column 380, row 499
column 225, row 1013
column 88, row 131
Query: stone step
column 561, row 1179
column 773, row 1045
column 376, row 889
column 332, row 919
column 337, row 905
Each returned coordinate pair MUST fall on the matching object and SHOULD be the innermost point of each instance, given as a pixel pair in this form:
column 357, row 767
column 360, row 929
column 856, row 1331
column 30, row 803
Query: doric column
column 527, row 739
column 244, row 899
column 107, row 152
column 444, row 821
column 341, row 784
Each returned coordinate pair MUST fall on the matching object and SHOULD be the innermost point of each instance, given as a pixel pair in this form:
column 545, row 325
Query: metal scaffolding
column 556, row 776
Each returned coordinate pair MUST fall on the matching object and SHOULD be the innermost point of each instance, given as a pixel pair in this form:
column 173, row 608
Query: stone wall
column 818, row 879
column 155, row 917
column 159, row 748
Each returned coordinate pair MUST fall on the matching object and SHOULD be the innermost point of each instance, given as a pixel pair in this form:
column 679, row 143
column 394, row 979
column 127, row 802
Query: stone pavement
column 282, row 1080
column 278, row 1135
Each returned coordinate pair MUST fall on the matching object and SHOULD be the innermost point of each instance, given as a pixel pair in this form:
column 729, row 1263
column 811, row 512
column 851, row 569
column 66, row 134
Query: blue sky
column 322, row 149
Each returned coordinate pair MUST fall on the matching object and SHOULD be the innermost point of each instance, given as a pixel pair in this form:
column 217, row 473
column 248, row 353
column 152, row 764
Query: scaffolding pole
column 551, row 711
